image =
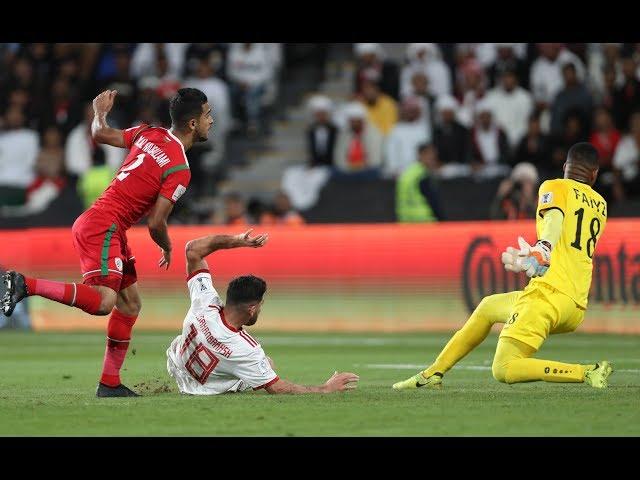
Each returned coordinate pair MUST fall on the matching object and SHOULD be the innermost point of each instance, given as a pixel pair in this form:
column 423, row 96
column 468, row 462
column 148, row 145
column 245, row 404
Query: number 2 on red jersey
column 125, row 172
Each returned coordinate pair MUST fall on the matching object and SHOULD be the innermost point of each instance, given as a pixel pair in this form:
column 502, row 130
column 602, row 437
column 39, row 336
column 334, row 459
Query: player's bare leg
column 95, row 300
column 121, row 321
column 491, row 310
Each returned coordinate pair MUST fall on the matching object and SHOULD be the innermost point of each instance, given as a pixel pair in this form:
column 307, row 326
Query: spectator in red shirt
column 359, row 146
column 605, row 137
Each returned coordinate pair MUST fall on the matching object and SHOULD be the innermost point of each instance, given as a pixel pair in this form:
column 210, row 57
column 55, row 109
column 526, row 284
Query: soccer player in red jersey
column 152, row 178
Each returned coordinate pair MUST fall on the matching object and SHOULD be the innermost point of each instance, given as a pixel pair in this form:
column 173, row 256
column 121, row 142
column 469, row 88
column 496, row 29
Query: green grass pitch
column 48, row 380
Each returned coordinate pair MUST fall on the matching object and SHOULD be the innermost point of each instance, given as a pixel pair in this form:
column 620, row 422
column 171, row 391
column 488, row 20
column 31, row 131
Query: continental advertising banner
column 383, row 278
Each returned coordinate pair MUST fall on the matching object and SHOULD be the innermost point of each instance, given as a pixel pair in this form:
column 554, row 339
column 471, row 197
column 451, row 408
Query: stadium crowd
column 45, row 100
column 487, row 112
column 492, row 111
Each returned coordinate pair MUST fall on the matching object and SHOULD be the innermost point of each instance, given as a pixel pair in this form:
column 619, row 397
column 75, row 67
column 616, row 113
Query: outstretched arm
column 196, row 250
column 100, row 129
column 337, row 383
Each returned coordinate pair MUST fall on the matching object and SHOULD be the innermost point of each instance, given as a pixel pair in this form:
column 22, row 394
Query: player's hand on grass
column 165, row 259
column 533, row 260
column 341, row 381
column 103, row 103
column 246, row 240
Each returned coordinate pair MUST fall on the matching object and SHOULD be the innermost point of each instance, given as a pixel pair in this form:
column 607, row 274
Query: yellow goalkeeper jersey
column 585, row 216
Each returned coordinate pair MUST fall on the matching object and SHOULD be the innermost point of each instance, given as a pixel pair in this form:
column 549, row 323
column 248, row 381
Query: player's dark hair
column 584, row 154
column 185, row 105
column 246, row 289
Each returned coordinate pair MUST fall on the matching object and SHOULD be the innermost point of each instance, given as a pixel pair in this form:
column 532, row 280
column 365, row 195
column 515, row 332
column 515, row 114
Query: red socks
column 72, row 294
column 118, row 337
column 86, row 298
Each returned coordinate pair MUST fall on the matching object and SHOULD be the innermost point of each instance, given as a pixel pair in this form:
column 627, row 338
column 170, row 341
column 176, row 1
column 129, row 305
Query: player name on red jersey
column 152, row 150
column 135, row 189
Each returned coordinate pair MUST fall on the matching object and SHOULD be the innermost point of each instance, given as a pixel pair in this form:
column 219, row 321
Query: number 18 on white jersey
column 211, row 356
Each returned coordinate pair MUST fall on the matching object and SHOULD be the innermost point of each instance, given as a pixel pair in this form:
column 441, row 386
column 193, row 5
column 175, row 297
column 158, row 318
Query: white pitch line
column 441, row 341
column 345, row 341
column 411, row 366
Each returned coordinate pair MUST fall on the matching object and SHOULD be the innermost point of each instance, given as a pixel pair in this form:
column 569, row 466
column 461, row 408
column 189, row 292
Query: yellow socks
column 512, row 364
column 532, row 369
column 465, row 340
column 492, row 309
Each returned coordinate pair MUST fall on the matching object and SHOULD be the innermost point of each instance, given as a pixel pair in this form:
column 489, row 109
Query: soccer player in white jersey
column 215, row 354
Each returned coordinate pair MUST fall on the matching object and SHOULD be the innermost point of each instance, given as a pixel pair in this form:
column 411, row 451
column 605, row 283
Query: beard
column 202, row 138
column 252, row 320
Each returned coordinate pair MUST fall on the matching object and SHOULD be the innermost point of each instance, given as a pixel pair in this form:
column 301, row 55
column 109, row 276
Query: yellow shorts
column 539, row 311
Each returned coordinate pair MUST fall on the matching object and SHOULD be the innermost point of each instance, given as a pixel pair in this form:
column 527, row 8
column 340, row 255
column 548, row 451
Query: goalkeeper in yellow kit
column 570, row 219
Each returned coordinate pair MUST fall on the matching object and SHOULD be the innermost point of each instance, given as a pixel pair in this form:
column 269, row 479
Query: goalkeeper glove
column 533, row 260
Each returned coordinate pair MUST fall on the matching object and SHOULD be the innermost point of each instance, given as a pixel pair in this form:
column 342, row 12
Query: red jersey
column 156, row 165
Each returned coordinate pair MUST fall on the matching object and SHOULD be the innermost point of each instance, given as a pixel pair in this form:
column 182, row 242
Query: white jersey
column 211, row 356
